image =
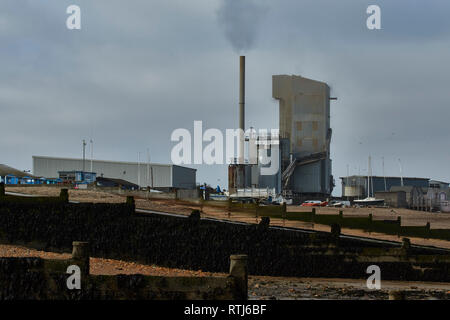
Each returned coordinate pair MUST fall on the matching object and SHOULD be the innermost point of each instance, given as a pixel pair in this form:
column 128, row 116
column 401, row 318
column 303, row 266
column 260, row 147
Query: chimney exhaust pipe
column 241, row 109
column 242, row 94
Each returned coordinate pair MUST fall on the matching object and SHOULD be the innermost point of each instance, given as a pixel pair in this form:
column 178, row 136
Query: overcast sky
column 137, row 70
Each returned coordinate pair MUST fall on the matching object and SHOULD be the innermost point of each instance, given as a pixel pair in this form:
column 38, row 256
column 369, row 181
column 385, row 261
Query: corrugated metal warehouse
column 143, row 174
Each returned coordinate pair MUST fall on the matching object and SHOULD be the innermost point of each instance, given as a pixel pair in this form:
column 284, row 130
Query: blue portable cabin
column 12, row 176
column 78, row 177
column 11, row 179
column 39, row 181
column 27, row 180
column 48, row 181
column 54, row 181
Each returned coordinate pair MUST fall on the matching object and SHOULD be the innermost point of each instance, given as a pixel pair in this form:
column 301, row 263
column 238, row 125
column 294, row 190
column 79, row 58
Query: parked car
column 314, row 203
column 339, row 204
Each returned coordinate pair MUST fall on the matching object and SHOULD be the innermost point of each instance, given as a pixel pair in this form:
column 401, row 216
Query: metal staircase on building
column 287, row 173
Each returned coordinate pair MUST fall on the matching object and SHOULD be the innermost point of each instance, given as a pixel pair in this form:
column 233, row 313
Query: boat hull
column 445, row 206
column 375, row 202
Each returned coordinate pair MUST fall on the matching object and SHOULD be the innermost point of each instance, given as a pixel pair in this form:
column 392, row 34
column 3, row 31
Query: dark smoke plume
column 241, row 20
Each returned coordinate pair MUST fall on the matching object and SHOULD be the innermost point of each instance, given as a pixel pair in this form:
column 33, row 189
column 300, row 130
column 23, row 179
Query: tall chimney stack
column 242, row 94
column 241, row 109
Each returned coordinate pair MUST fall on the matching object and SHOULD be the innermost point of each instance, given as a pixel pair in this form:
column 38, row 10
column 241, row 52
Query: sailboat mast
column 368, row 179
column 347, row 180
column 401, row 172
column 371, row 178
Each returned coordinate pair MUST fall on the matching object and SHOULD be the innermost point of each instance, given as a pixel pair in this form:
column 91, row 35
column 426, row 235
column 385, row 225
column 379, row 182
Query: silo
column 305, row 121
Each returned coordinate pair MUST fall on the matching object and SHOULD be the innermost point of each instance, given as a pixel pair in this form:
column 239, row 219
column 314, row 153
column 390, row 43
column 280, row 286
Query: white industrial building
column 142, row 174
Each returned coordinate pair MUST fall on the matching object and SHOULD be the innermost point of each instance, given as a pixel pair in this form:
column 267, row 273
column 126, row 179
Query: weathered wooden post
column 80, row 256
column 264, row 224
column 130, row 201
column 230, row 204
column 428, row 227
column 265, row 221
column 64, row 195
column 239, row 271
column 335, row 233
column 202, row 203
column 406, row 245
column 2, row 189
column 399, row 226
column 195, row 216
column 396, row 295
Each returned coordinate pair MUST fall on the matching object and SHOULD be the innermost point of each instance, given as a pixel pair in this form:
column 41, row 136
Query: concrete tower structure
column 305, row 125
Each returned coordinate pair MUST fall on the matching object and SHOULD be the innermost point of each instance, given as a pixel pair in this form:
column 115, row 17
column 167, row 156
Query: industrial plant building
column 303, row 143
column 305, row 126
column 414, row 193
column 354, row 187
column 142, row 174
